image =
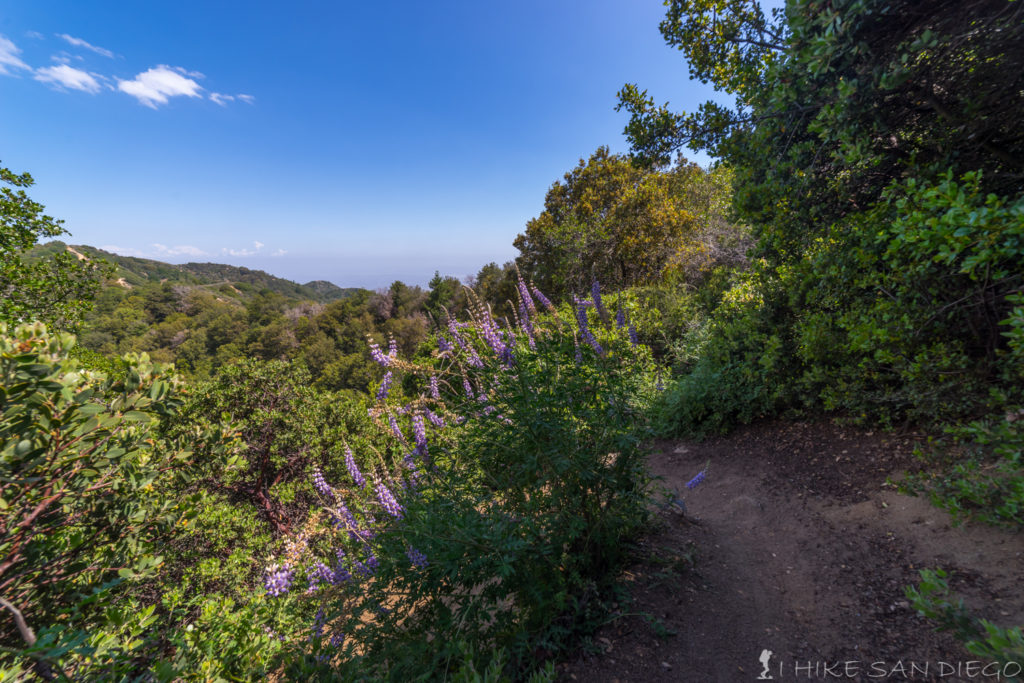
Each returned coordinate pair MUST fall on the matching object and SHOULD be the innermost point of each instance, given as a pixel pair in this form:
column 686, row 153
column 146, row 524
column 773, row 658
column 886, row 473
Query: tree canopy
column 55, row 290
column 622, row 224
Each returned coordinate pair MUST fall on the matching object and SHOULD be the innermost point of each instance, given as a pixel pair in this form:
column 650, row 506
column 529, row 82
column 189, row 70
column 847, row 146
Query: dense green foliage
column 623, row 225
column 875, row 161
column 521, row 501
column 57, row 289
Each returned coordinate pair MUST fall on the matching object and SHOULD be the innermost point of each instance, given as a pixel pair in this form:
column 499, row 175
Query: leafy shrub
column 85, row 501
column 486, row 514
column 985, row 481
column 1004, row 646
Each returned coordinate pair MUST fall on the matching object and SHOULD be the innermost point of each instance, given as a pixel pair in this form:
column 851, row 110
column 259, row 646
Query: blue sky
column 357, row 142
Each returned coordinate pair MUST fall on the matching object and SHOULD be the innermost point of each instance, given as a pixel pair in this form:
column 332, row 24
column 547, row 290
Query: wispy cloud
column 221, row 98
column 279, row 252
column 64, row 76
column 9, row 58
column 78, row 42
column 63, row 57
column 34, row 35
column 244, row 252
column 155, row 86
column 179, row 250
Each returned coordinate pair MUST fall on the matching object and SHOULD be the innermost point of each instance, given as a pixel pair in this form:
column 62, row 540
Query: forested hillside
column 210, row 473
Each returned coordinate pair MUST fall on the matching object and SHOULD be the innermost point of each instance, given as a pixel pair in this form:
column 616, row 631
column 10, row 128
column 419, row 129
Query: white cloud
column 180, row 250
column 9, row 57
column 221, row 98
column 279, row 252
column 156, row 85
column 34, row 35
column 248, row 99
column 244, row 252
column 64, row 76
column 78, row 42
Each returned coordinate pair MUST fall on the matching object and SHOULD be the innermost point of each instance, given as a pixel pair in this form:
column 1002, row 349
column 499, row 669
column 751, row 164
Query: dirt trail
column 800, row 548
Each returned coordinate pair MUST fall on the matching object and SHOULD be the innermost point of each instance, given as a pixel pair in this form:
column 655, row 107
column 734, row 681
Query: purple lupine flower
column 368, row 568
column 595, row 290
column 435, row 391
column 524, row 322
column 578, row 355
column 490, row 335
column 541, row 299
column 353, row 470
column 378, row 356
column 581, row 311
column 278, row 579
column 346, row 520
column 589, row 337
column 341, row 575
column 507, row 355
column 395, row 429
column 632, row 335
column 467, row 388
column 417, row 558
column 408, row 461
column 318, row 573
column 696, row 481
column 436, row 420
column 392, row 348
column 388, row 502
column 443, row 344
column 620, row 316
column 453, row 329
column 474, row 358
column 321, row 484
column 337, row 639
column 524, row 294
column 318, row 624
column 419, row 430
column 385, row 385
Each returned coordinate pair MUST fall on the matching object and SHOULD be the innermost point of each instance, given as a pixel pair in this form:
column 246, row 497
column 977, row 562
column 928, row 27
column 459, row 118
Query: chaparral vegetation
column 208, row 473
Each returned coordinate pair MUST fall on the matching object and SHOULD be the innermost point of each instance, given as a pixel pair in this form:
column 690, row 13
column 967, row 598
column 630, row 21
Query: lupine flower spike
column 417, row 558
column 385, row 385
column 353, row 470
column 387, row 501
column 378, row 356
column 595, row 291
column 321, row 484
column 278, row 579
column 697, row 480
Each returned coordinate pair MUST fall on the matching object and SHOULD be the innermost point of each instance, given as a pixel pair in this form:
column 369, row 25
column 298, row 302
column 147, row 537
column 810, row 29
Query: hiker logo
column 766, row 655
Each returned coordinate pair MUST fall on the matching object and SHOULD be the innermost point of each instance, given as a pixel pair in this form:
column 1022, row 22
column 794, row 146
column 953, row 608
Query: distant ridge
column 133, row 271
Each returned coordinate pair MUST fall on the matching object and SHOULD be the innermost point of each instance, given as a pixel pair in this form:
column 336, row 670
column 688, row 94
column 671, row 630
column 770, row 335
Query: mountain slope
column 132, row 271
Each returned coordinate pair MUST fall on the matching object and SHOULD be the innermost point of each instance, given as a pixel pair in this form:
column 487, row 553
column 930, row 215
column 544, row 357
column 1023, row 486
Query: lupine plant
column 486, row 513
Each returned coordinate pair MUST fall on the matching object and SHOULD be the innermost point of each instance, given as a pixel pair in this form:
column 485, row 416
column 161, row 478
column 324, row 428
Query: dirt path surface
column 795, row 544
